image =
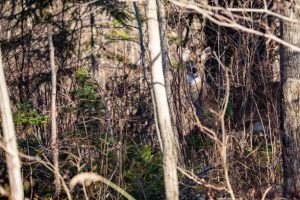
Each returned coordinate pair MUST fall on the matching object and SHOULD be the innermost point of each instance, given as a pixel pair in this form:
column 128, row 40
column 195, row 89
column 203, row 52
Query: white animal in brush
column 193, row 77
column 195, row 67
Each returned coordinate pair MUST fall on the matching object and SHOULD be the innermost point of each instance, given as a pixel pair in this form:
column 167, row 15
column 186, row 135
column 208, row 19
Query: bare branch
column 232, row 24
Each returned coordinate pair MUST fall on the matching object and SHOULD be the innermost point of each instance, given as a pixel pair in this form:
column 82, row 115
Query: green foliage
column 175, row 63
column 115, row 23
column 89, row 103
column 27, row 115
column 144, row 172
column 174, row 39
column 86, row 91
column 30, row 145
column 82, row 74
column 146, row 154
column 121, row 34
column 121, row 16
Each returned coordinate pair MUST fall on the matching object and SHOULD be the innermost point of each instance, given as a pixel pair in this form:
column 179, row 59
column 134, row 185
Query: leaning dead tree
column 10, row 142
column 161, row 101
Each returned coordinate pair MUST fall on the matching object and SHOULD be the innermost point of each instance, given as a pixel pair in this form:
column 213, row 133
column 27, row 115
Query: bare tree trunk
column 54, row 138
column 167, row 72
column 163, row 112
column 164, row 46
column 139, row 21
column 11, row 148
column 290, row 115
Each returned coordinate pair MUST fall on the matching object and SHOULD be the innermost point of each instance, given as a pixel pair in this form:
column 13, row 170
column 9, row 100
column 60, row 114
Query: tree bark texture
column 163, row 111
column 10, row 142
column 54, row 137
column 290, row 103
column 167, row 73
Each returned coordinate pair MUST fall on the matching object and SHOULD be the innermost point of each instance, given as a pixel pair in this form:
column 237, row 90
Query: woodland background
column 106, row 121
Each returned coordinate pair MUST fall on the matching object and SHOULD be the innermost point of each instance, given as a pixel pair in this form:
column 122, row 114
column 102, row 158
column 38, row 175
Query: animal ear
column 207, row 50
column 205, row 54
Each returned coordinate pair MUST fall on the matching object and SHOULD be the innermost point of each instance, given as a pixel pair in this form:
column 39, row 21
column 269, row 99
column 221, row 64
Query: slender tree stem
column 163, row 111
column 54, row 137
column 11, row 147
